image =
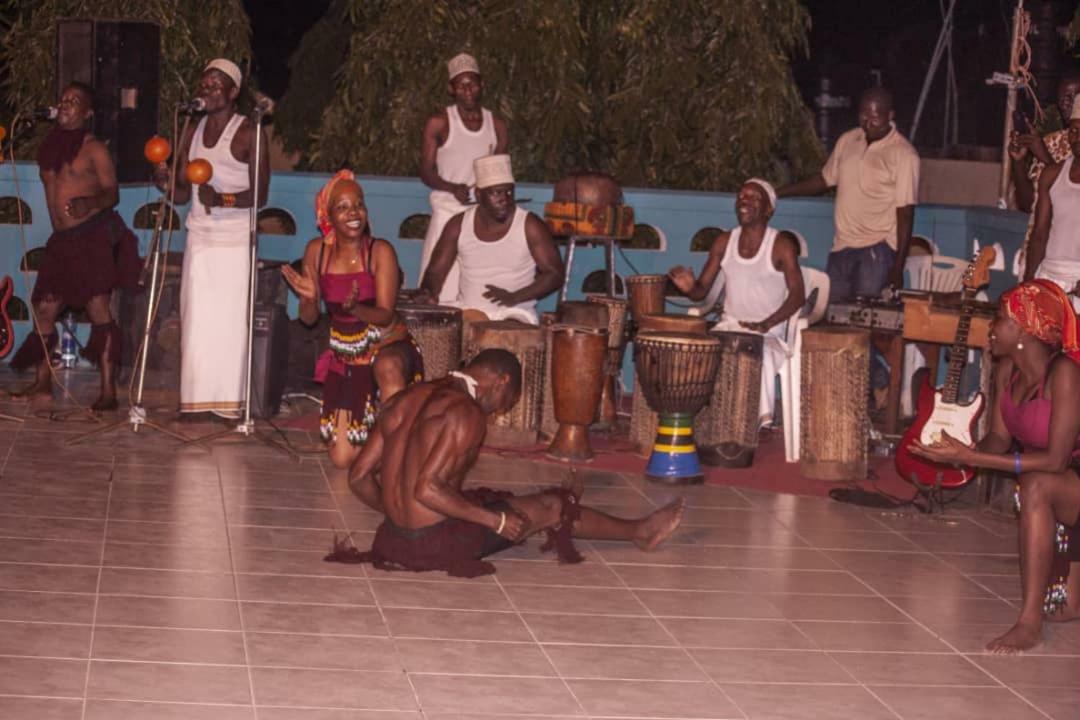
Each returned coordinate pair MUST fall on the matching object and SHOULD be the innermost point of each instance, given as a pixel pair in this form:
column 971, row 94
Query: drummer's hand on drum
column 499, row 296
column 423, row 297
column 303, row 285
column 683, row 277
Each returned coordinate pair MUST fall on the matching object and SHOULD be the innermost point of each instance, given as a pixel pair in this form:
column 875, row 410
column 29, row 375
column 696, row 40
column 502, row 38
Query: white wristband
column 502, row 523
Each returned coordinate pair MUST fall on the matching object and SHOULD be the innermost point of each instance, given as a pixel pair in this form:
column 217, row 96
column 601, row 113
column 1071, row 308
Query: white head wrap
column 462, row 63
column 765, row 185
column 493, row 170
column 231, row 69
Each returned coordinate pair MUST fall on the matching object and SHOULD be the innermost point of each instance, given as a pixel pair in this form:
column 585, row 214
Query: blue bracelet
column 1016, row 463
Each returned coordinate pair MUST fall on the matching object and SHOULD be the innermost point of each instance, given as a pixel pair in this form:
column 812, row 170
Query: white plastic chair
column 816, row 284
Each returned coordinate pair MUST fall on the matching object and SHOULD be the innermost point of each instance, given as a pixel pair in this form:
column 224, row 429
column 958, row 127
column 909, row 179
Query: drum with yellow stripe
column 676, row 373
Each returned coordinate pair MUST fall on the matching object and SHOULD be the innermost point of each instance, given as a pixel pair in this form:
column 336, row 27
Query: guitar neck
column 950, row 391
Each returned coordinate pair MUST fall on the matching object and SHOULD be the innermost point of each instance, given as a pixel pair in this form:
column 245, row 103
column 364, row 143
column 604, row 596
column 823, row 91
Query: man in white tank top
column 1054, row 251
column 214, row 284
column 507, row 256
column 763, row 285
column 453, row 138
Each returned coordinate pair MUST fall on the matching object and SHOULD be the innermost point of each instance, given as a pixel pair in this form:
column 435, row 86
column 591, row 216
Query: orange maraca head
column 3, row 133
column 199, row 172
column 157, row 149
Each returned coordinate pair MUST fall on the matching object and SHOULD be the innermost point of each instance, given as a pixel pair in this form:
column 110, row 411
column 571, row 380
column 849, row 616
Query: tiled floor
column 139, row 580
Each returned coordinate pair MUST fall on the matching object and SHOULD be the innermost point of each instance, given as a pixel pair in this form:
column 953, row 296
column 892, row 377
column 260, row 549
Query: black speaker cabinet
column 121, row 61
column 269, row 360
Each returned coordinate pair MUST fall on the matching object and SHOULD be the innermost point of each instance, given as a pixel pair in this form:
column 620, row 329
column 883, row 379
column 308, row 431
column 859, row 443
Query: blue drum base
column 674, row 459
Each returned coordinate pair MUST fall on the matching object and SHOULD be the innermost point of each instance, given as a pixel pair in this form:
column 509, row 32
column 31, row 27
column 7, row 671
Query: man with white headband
column 763, row 285
column 507, row 255
column 214, row 285
column 1054, row 252
column 875, row 171
column 453, row 138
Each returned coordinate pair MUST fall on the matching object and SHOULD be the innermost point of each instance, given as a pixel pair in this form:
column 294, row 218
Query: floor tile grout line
column 378, row 607
column 236, row 591
column 540, row 646
column 97, row 601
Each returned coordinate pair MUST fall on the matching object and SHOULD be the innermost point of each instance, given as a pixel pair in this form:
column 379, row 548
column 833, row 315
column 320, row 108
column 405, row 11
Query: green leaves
column 695, row 94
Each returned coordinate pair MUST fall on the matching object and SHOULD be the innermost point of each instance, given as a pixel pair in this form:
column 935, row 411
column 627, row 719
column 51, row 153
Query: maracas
column 199, row 171
column 3, row 133
column 157, row 149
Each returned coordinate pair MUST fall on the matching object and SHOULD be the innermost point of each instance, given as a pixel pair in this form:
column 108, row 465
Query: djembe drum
column 643, row 420
column 437, row 330
column 518, row 426
column 616, row 314
column 646, row 294
column 834, row 415
column 570, row 313
column 577, row 365
column 727, row 428
column 589, row 204
column 677, row 374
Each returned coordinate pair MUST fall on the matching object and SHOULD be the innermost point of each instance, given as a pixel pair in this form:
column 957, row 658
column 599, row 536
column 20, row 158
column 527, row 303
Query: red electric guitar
column 938, row 410
column 7, row 336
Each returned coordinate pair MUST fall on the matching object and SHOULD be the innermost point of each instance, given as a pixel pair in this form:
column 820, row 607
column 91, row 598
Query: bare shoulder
column 719, row 242
column 311, row 250
column 1065, row 374
column 383, row 252
column 787, row 245
column 437, row 123
column 533, row 224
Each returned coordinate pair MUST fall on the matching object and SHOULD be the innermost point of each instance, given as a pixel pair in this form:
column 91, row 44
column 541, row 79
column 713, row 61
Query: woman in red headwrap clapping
column 1035, row 433
column 371, row 357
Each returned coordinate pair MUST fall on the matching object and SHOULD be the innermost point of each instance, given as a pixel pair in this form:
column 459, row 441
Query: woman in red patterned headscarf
column 1037, row 409
column 371, row 356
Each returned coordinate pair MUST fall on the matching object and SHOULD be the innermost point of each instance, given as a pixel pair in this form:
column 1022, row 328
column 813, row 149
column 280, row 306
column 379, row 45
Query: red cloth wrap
column 30, row 353
column 458, row 547
column 88, row 260
column 1044, row 311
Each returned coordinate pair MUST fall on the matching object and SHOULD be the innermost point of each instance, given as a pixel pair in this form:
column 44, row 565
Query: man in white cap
column 453, row 138
column 875, row 171
column 763, row 284
column 214, row 285
column 1054, row 252
column 507, row 256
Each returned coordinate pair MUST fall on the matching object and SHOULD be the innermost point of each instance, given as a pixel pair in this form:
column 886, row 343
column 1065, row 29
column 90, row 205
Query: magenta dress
column 1029, row 423
column 346, row 368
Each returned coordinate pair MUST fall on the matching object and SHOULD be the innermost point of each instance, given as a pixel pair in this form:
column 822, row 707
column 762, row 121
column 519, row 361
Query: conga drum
column 518, row 426
column 677, row 374
column 835, row 420
column 616, row 327
column 646, row 293
column 643, row 419
column 437, row 330
column 727, row 428
column 572, row 313
column 577, row 373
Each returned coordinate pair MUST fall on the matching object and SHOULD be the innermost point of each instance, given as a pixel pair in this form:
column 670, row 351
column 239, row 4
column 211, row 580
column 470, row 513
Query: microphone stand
column 246, row 427
column 136, row 412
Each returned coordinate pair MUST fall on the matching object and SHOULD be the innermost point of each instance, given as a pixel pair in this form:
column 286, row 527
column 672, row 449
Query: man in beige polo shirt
column 875, row 171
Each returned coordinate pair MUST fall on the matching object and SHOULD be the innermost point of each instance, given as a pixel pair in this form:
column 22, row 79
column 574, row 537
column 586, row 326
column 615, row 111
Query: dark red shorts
column 88, row 260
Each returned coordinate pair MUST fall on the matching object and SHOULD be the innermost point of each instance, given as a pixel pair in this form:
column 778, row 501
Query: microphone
column 45, row 113
column 264, row 105
column 196, row 105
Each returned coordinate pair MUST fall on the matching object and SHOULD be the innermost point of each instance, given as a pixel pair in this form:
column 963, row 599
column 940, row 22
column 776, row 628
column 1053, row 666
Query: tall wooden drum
column 646, row 294
column 577, row 374
column 835, row 419
column 616, row 327
column 728, row 425
column 517, row 427
column 437, row 330
column 677, row 374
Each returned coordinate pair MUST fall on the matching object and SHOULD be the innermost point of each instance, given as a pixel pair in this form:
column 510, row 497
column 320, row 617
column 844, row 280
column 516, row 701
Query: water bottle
column 68, row 346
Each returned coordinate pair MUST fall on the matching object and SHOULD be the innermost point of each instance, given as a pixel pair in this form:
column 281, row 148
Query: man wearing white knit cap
column 453, row 138
column 1054, row 252
column 507, row 256
column 214, row 284
column 763, row 285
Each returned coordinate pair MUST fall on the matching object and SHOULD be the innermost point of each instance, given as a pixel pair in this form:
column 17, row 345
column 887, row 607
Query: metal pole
column 1010, row 108
column 247, row 427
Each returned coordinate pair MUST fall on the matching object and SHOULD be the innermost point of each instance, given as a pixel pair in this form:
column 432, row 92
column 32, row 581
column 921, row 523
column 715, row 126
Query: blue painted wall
column 677, row 215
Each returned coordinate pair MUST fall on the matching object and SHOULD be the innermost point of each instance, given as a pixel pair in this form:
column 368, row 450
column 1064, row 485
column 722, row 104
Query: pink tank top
column 1029, row 421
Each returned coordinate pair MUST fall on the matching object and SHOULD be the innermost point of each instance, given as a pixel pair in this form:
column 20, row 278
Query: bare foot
column 35, row 389
column 658, row 527
column 1023, row 636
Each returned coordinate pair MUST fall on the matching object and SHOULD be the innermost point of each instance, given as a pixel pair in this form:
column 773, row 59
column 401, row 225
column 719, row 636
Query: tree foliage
column 192, row 33
column 694, row 94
